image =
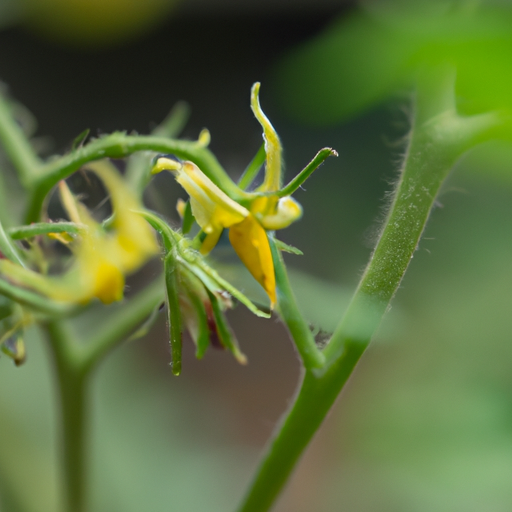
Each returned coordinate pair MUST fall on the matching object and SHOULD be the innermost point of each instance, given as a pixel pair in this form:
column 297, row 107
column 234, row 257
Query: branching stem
column 119, row 145
column 438, row 138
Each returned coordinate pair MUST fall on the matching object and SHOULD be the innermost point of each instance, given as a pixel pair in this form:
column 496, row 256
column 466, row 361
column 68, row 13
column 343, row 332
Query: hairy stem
column 119, row 145
column 289, row 311
column 438, row 138
column 303, row 175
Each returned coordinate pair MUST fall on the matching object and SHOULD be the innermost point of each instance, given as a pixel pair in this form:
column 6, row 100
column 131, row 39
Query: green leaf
column 226, row 336
column 80, row 139
column 361, row 60
column 354, row 64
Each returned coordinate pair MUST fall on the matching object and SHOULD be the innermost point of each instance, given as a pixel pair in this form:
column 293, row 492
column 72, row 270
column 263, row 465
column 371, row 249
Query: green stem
column 35, row 301
column 72, row 384
column 438, row 138
column 17, row 146
column 138, row 168
column 312, row 403
column 74, row 363
column 289, row 311
column 44, row 228
column 119, row 145
column 303, row 175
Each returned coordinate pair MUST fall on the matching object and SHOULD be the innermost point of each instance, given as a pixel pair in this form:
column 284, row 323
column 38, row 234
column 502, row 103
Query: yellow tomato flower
column 212, row 208
column 265, row 210
column 102, row 258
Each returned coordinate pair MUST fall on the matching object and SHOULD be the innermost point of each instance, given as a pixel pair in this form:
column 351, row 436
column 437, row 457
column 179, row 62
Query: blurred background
column 426, row 421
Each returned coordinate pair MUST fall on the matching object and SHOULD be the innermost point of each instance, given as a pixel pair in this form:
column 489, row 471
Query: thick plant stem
column 314, row 400
column 438, row 139
column 72, row 384
column 74, row 363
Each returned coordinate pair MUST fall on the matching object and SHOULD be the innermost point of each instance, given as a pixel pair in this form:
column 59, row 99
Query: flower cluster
column 196, row 295
column 102, row 257
column 262, row 210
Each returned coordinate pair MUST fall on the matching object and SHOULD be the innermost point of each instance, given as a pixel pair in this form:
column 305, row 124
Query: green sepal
column 226, row 336
column 173, row 312
column 80, row 139
column 195, row 307
column 253, row 168
column 202, row 340
column 287, row 248
column 188, row 219
column 215, row 283
column 169, row 237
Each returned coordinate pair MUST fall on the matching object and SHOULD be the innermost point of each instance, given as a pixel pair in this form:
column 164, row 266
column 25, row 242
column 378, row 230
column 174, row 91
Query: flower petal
column 210, row 241
column 134, row 241
column 212, row 208
column 272, row 180
column 250, row 242
column 285, row 213
column 108, row 282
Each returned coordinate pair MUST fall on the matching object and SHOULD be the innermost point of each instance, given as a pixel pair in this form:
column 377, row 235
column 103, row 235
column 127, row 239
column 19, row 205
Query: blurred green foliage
column 364, row 58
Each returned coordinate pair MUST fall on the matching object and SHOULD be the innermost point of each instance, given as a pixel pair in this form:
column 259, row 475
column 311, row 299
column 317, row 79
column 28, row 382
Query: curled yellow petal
column 250, row 242
column 286, row 212
column 212, row 208
column 273, row 150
